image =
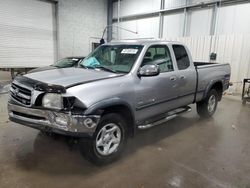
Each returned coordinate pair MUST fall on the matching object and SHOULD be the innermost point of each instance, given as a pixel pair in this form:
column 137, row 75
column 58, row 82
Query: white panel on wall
column 145, row 28
column 232, row 49
column 80, row 22
column 234, row 19
column 128, row 7
column 115, row 9
column 193, row 2
column 174, row 3
column 27, row 33
column 173, row 25
column 198, row 22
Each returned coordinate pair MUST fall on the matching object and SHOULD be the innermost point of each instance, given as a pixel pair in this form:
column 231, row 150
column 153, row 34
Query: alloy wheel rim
column 108, row 139
column 211, row 103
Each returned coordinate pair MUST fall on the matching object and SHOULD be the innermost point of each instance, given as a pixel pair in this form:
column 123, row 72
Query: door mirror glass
column 149, row 70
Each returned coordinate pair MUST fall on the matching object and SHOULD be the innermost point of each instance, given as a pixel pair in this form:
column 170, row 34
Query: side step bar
column 170, row 115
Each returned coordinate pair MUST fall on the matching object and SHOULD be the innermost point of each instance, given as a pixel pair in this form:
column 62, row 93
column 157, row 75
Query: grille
column 20, row 94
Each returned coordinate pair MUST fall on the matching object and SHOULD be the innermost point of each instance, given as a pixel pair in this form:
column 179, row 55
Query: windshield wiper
column 99, row 67
column 105, row 68
column 55, row 66
column 86, row 67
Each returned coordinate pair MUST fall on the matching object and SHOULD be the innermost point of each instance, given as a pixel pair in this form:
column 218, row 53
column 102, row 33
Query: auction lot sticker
column 129, row 51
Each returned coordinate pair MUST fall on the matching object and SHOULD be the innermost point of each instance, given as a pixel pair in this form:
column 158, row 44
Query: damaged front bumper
column 52, row 121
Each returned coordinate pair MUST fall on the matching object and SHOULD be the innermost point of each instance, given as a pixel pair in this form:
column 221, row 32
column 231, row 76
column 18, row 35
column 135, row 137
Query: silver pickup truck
column 118, row 89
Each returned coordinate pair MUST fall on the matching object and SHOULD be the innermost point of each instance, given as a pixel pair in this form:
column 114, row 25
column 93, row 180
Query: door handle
column 182, row 77
column 173, row 78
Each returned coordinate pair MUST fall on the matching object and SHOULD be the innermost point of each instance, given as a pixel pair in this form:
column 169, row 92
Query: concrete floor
column 185, row 152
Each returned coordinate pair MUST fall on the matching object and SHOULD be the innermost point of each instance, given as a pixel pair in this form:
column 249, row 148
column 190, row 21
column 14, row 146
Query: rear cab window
column 181, row 57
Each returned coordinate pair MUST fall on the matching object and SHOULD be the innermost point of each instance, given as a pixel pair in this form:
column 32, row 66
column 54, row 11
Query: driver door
column 156, row 94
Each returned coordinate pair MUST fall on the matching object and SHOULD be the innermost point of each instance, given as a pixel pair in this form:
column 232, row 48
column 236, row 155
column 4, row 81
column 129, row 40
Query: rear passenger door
column 186, row 75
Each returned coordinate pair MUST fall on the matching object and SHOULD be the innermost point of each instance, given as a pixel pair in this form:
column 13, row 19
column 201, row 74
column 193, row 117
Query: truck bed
column 199, row 64
column 207, row 72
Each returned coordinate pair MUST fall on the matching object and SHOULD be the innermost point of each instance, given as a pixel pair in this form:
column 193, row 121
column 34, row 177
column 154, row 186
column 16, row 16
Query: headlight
column 52, row 100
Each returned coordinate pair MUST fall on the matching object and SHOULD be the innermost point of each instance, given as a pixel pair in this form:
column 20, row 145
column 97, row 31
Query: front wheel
column 108, row 140
column 207, row 107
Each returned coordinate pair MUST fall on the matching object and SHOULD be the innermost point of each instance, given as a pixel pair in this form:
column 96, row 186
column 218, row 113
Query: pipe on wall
column 109, row 20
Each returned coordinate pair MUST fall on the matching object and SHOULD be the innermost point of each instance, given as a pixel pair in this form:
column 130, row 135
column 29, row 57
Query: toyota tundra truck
column 117, row 90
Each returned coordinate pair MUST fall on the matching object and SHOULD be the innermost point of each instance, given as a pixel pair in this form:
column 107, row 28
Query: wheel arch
column 115, row 105
column 217, row 85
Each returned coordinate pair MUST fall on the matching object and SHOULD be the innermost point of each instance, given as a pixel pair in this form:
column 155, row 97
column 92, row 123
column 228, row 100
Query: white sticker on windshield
column 129, row 51
column 74, row 59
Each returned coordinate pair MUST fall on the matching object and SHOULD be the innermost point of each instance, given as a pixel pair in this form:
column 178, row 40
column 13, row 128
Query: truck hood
column 42, row 69
column 68, row 77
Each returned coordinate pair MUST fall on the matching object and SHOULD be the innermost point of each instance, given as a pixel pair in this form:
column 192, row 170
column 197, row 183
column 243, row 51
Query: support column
column 184, row 32
column 214, row 19
column 109, row 20
column 118, row 19
column 161, row 16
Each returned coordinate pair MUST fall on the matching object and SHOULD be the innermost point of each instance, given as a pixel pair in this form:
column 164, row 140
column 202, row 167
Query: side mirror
column 149, row 70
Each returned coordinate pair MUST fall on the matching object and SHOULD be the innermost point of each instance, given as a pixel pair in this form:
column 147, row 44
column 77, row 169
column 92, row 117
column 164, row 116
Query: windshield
column 115, row 58
column 66, row 62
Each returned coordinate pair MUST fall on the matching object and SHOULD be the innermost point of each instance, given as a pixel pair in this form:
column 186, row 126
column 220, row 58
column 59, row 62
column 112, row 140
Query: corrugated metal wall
column 27, row 33
column 141, row 26
column 80, row 22
column 232, row 49
column 231, row 41
column 129, row 7
column 232, row 19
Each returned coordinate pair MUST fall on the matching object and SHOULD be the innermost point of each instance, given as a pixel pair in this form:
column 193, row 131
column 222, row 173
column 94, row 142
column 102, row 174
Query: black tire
column 204, row 109
column 89, row 148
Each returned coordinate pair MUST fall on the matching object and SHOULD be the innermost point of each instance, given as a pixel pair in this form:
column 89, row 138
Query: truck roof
column 142, row 41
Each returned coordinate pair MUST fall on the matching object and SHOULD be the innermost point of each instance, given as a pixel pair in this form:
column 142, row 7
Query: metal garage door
column 27, row 33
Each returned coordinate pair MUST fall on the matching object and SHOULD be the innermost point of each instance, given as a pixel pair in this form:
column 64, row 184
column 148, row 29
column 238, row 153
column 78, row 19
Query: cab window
column 160, row 55
column 181, row 57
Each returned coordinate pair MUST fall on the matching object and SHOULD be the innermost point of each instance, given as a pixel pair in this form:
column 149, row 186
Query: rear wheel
column 108, row 140
column 207, row 107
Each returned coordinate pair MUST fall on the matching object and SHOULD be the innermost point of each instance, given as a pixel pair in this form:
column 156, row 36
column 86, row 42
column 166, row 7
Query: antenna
column 119, row 27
